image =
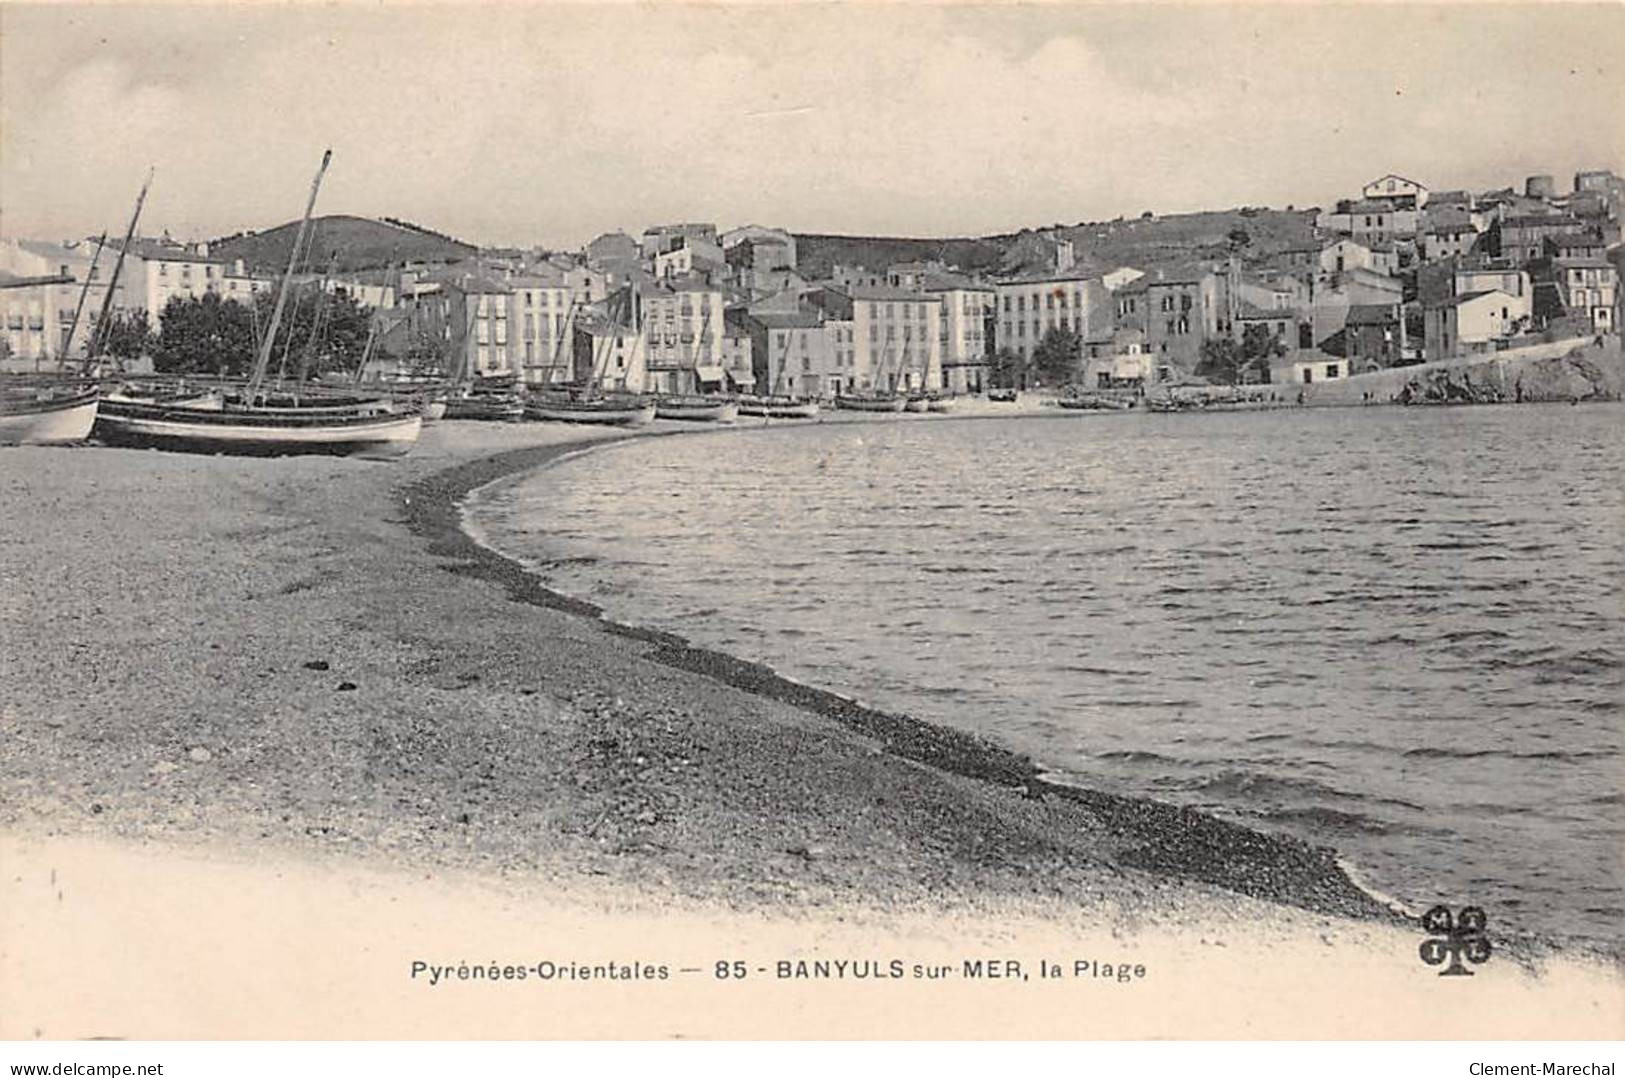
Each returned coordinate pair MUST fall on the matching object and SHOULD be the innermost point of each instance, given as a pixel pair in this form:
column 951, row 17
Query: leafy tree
column 125, row 336
column 206, row 334
column 1239, row 238
column 1057, row 356
column 1220, row 356
column 1006, row 369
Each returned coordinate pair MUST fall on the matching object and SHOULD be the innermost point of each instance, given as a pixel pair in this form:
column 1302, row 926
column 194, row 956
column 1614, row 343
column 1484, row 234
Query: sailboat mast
column 372, row 329
column 79, row 308
column 118, row 267
column 264, row 360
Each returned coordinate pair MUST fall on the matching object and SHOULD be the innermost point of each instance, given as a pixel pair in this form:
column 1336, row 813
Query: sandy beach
column 277, row 729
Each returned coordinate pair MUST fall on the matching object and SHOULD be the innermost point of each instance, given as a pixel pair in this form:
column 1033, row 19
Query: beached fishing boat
column 491, row 407
column 1091, row 403
column 601, row 411
column 259, row 432
column 700, row 408
column 872, row 403
column 257, row 422
column 778, row 407
column 941, row 405
column 47, row 415
column 919, row 403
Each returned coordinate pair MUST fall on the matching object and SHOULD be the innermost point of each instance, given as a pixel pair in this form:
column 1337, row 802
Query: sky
column 551, row 123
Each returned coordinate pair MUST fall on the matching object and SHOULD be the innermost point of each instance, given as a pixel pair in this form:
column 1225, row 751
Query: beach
column 294, row 694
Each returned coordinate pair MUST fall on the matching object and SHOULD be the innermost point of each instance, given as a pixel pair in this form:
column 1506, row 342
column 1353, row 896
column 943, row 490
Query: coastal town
column 1396, row 275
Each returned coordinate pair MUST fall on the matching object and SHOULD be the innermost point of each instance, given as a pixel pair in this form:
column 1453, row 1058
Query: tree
column 125, row 336
column 1258, row 347
column 203, row 335
column 1219, row 359
column 1007, row 370
column 209, row 335
column 1239, row 238
column 1057, row 357
column 1225, row 361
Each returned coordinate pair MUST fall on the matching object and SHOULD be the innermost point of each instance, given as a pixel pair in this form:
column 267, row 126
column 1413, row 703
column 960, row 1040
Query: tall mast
column 372, row 329
column 264, row 359
column 79, row 308
column 112, row 285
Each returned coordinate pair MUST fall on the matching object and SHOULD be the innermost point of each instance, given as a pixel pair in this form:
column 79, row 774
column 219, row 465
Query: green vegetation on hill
column 816, row 253
column 361, row 243
column 1142, row 241
column 1139, row 241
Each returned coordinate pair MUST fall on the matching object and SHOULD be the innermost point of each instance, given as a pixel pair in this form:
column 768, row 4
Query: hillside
column 816, row 253
column 361, row 243
column 1139, row 241
column 1144, row 241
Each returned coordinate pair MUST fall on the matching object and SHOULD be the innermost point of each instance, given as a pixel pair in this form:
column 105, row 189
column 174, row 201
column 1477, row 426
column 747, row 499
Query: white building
column 1029, row 308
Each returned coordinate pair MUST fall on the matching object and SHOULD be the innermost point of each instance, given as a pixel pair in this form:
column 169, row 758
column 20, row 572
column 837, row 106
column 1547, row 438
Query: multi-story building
column 1472, row 323
column 737, row 371
column 482, row 309
column 1177, row 309
column 543, row 317
column 1589, row 288
column 608, row 351
column 965, row 330
column 792, row 353
column 1370, row 221
column 768, row 238
column 1030, row 307
column 1396, row 191
column 1448, row 241
column 896, row 339
column 35, row 316
column 683, row 325
column 1522, row 239
column 700, row 239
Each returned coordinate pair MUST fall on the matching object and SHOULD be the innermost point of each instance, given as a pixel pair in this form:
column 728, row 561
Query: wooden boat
column 259, row 431
column 602, row 411
column 1089, row 403
column 259, row 421
column 697, row 408
column 778, row 407
column 1002, row 396
column 498, row 407
column 434, row 409
column 47, row 416
column 919, row 404
column 876, row 403
column 941, row 405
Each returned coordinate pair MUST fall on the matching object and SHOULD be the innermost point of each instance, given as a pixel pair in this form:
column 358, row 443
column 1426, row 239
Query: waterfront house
column 896, row 339
column 965, row 334
column 792, row 353
column 683, row 325
column 1028, row 307
column 1473, row 322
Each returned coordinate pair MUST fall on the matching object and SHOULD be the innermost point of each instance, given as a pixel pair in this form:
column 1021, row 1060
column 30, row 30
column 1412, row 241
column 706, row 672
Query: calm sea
column 1397, row 632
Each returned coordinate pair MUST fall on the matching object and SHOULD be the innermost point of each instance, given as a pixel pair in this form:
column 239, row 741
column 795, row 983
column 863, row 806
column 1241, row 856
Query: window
column 1331, row 370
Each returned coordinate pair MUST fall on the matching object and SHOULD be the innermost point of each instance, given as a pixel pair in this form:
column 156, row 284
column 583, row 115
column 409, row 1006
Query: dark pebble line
column 1165, row 839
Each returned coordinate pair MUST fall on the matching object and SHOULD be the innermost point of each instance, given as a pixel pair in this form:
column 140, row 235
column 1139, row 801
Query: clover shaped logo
column 1454, row 939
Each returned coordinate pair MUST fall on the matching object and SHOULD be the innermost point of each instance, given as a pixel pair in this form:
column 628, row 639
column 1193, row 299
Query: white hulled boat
column 47, row 416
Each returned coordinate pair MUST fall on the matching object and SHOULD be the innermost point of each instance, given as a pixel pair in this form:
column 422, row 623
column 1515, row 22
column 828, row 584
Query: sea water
column 1400, row 633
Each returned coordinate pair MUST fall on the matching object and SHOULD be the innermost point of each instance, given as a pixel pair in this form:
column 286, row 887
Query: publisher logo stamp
column 1455, row 939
